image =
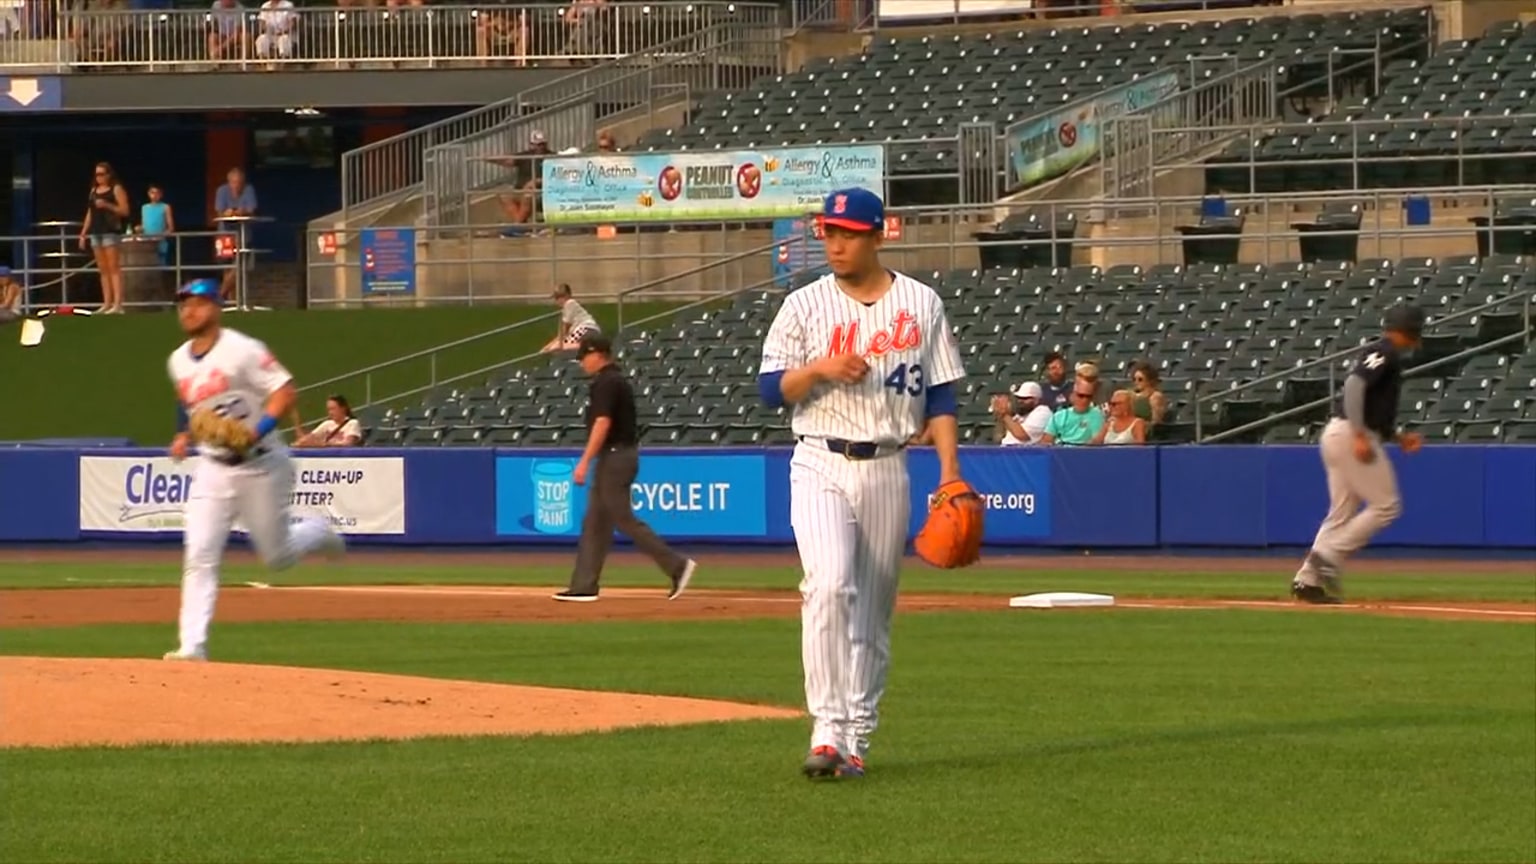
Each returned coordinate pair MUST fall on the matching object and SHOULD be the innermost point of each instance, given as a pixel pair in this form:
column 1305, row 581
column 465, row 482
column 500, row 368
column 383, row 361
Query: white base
column 1060, row 599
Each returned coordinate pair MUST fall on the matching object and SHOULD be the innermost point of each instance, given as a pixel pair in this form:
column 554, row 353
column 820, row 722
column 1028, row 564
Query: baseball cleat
column 574, row 597
column 186, row 656
column 335, row 546
column 1313, row 594
column 681, row 580
column 822, row 762
column 1328, row 573
column 853, row 766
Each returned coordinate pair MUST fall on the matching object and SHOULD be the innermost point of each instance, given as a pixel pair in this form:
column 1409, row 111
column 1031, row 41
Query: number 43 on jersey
column 906, row 379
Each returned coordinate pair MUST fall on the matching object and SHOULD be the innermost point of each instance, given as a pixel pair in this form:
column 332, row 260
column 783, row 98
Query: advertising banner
column 1053, row 144
column 705, row 184
column 148, row 494
column 799, row 250
column 677, row 495
column 1015, row 489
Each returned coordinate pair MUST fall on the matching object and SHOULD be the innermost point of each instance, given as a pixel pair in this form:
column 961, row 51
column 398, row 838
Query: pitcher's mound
column 57, row 702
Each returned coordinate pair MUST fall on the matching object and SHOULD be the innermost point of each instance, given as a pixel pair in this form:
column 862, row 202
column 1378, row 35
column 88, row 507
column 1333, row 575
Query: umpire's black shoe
column 1313, row 594
column 576, row 597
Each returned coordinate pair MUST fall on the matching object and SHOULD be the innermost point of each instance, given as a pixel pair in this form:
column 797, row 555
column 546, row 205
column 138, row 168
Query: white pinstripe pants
column 850, row 522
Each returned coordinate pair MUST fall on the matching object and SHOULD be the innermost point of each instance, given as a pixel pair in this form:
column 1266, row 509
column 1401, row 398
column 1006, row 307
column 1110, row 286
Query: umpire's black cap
column 594, row 343
column 1405, row 318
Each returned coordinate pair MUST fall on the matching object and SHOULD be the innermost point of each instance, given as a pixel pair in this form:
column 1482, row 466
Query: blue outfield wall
column 1134, row 497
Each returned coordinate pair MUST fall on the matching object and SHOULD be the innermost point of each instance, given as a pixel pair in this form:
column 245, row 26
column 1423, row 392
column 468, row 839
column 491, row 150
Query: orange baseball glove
column 951, row 536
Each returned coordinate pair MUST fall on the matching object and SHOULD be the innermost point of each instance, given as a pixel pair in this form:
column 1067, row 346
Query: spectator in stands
column 1056, row 388
column 1149, row 402
column 226, row 31
column 1021, row 419
column 278, row 21
column 106, row 217
column 338, row 429
column 500, row 33
column 99, row 32
column 606, row 142
column 527, row 177
column 10, row 291
column 1122, row 426
column 575, row 322
column 1079, row 424
column 235, row 198
column 1089, row 372
column 157, row 221
column 584, row 20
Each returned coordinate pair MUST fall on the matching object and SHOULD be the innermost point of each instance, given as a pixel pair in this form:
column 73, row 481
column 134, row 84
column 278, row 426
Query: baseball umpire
column 1364, row 419
column 613, row 442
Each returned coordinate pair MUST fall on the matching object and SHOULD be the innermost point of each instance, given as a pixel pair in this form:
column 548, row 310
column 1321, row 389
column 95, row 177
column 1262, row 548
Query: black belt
column 857, row 450
column 232, row 459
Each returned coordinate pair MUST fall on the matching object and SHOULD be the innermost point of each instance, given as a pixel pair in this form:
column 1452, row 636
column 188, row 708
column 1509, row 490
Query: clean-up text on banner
column 148, row 494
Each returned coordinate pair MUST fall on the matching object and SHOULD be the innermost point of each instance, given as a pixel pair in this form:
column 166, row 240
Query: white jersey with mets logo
column 235, row 378
column 850, row 516
column 905, row 338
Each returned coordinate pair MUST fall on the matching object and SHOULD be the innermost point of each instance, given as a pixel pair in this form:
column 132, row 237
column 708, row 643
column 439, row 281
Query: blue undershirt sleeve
column 182, row 420
column 769, row 388
column 941, row 401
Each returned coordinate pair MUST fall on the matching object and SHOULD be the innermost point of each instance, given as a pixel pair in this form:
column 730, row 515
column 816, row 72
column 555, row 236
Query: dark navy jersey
column 1381, row 369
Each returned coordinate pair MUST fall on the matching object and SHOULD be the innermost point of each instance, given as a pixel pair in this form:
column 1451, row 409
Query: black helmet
column 1405, row 318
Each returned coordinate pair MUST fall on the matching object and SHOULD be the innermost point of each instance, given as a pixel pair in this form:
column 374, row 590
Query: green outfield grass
column 105, row 376
column 1114, row 736
column 722, row 572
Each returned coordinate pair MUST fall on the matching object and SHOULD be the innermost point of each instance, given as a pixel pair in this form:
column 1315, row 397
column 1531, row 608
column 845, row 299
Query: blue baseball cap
column 208, row 289
column 854, row 209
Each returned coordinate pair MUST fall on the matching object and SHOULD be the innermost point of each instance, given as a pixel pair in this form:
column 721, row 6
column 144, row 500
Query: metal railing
column 724, row 58
column 475, row 264
column 54, row 271
column 433, row 358
column 1526, row 299
column 233, row 37
column 394, row 167
column 1353, row 148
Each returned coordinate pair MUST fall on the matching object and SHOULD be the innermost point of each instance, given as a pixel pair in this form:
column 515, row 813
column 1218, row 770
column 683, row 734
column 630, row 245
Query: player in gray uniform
column 1364, row 419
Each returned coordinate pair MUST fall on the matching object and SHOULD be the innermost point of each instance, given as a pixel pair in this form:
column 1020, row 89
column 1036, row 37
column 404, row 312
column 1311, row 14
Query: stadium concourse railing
column 392, row 169
column 734, row 271
column 726, row 57
column 875, row 15
column 1355, row 146
column 61, row 37
column 1335, row 362
column 475, row 264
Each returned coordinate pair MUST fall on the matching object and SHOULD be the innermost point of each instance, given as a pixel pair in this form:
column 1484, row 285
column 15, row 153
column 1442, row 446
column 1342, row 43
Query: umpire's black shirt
column 610, row 395
column 1382, row 371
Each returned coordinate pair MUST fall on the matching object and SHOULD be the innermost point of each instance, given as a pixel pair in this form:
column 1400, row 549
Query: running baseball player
column 866, row 357
column 1364, row 418
column 230, row 393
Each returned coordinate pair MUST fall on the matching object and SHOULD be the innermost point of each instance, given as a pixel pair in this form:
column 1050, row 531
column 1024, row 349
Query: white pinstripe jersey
column 905, row 338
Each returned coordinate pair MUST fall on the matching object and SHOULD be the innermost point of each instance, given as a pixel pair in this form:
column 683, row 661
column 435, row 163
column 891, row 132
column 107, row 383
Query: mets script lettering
column 193, row 392
column 901, row 335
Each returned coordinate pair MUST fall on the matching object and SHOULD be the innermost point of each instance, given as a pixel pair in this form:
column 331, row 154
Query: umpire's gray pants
column 609, row 508
column 1348, row 528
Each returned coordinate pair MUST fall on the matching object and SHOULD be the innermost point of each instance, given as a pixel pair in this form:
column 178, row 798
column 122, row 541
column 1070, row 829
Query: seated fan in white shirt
column 339, row 429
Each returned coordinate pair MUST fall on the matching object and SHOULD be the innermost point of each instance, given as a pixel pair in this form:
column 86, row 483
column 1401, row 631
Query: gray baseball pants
column 1351, row 483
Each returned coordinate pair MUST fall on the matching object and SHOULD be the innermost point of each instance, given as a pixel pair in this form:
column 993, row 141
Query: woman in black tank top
column 106, row 213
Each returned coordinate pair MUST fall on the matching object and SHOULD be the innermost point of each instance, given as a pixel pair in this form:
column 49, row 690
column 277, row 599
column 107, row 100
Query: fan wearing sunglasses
column 1079, row 423
column 1122, row 426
